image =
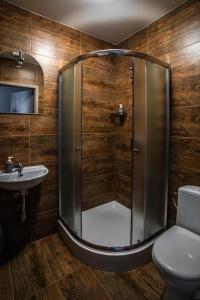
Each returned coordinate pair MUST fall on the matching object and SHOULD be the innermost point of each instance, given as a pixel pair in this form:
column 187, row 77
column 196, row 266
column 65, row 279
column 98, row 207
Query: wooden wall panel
column 14, row 145
column 185, row 91
column 138, row 42
column 13, row 33
column 175, row 39
column 123, row 132
column 14, row 125
column 45, row 123
column 106, row 83
column 102, row 164
column 27, row 74
column 97, row 190
column 98, row 132
column 107, row 155
column 55, row 46
column 90, row 43
column 176, row 30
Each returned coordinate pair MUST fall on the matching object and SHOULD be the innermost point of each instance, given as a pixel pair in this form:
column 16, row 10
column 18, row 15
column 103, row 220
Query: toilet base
column 171, row 293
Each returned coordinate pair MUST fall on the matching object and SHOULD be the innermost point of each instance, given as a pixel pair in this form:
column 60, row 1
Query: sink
column 32, row 176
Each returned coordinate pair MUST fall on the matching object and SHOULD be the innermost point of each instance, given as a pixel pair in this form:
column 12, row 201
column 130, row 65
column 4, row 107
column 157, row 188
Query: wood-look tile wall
column 124, row 131
column 107, row 155
column 175, row 38
column 98, row 165
column 33, row 139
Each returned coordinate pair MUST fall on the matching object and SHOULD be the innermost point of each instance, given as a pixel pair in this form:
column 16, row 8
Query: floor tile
column 150, row 275
column 30, row 271
column 59, row 258
column 129, row 285
column 45, row 270
column 82, row 284
column 49, row 293
column 5, row 283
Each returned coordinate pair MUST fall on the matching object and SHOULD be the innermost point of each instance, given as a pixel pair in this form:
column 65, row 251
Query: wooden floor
column 46, row 270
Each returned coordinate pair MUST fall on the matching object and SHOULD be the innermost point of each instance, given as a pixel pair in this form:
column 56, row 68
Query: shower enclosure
column 113, row 148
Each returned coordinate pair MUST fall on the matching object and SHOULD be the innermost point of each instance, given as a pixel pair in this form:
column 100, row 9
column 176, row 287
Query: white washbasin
column 32, row 176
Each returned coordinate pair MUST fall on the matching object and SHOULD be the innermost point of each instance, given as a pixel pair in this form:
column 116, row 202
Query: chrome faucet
column 19, row 167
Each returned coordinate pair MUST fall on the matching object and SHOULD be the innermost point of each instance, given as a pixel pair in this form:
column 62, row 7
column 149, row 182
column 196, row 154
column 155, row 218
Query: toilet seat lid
column 177, row 252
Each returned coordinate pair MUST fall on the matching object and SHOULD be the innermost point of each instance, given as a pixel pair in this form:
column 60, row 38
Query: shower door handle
column 137, row 149
column 78, row 148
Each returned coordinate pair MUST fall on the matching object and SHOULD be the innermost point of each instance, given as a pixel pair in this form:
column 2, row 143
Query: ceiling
column 110, row 20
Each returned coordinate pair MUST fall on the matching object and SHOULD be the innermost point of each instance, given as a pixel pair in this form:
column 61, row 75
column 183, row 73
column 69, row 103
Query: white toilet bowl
column 177, row 252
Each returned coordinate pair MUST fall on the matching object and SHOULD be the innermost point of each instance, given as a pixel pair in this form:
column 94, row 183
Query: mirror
column 21, row 83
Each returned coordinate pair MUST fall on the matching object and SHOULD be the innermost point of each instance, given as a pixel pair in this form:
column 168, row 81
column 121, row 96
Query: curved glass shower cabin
column 113, row 147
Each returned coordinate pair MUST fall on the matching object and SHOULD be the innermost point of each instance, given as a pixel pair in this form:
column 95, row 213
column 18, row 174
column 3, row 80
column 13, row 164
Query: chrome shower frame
column 140, row 252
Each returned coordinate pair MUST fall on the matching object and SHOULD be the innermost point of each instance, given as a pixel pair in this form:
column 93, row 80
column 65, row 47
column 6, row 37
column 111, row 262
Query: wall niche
column 21, row 83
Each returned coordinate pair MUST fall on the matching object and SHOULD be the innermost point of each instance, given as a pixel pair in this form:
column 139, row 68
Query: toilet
column 176, row 252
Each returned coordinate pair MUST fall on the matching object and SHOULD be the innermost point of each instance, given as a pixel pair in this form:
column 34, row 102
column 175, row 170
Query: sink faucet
column 19, row 167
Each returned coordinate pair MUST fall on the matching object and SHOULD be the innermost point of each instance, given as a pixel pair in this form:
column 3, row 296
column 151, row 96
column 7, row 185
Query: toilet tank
column 188, row 211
